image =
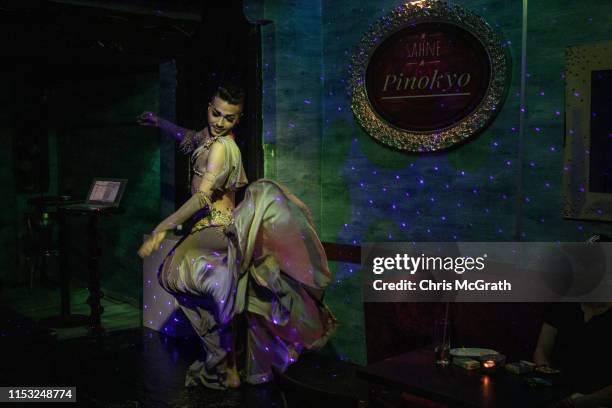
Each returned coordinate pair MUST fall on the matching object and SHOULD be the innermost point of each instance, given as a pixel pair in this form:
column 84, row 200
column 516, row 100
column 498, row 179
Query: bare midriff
column 225, row 203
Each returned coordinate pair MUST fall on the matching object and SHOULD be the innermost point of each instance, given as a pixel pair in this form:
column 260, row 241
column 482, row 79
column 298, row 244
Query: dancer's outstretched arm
column 150, row 119
column 189, row 139
column 201, row 199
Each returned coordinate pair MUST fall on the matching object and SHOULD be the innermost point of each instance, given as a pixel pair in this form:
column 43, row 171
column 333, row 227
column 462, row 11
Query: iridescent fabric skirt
column 265, row 267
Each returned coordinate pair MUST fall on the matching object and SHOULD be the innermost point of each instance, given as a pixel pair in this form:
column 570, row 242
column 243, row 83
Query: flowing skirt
column 268, row 267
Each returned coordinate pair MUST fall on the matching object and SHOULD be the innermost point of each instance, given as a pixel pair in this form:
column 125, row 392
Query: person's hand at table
column 151, row 244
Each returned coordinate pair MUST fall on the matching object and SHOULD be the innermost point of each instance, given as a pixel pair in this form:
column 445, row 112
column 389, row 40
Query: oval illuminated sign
column 422, row 81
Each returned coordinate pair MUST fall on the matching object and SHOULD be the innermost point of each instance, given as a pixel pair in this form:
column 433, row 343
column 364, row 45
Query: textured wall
column 292, row 99
column 553, row 26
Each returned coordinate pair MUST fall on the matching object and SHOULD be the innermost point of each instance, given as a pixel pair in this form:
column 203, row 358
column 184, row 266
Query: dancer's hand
column 151, row 244
column 147, row 119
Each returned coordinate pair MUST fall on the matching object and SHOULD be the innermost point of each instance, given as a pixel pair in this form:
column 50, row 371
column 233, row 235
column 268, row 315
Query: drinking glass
column 442, row 342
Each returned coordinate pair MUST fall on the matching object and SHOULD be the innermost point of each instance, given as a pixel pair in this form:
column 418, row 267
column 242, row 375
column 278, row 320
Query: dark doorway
column 226, row 48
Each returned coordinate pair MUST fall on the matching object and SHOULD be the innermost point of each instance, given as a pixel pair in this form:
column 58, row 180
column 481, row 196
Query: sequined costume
column 264, row 261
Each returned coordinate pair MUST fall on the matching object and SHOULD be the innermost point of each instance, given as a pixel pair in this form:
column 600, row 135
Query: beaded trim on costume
column 191, row 141
column 214, row 218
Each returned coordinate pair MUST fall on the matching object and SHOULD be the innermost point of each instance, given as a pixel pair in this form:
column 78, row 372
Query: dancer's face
column 222, row 116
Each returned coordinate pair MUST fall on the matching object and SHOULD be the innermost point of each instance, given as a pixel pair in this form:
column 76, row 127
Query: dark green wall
column 91, row 129
column 98, row 137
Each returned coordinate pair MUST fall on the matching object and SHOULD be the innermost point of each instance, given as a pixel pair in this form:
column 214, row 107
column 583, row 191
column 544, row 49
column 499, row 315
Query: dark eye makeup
column 216, row 113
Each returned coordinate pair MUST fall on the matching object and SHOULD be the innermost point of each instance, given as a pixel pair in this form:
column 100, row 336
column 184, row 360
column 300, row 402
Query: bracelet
column 204, row 199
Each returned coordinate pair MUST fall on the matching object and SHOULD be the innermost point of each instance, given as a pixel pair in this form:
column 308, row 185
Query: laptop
column 103, row 193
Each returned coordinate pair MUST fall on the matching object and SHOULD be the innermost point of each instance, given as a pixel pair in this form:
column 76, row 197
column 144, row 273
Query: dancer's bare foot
column 232, row 379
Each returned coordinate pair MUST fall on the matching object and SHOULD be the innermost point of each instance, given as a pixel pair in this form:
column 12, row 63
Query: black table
column 66, row 319
column 40, row 222
column 415, row 372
